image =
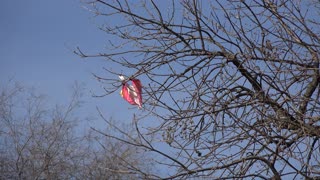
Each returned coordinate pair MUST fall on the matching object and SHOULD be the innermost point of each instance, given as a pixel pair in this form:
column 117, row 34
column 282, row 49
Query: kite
column 132, row 93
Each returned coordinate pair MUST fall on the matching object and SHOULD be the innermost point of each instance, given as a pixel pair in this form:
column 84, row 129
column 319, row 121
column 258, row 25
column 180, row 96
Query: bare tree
column 38, row 141
column 232, row 86
column 124, row 160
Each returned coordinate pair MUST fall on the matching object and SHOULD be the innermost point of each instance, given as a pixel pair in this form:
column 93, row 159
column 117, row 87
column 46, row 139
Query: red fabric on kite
column 132, row 93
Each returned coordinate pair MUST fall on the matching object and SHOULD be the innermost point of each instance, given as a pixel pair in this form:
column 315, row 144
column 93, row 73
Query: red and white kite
column 132, row 93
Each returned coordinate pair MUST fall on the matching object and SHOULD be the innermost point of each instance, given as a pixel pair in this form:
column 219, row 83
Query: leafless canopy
column 41, row 142
column 232, row 86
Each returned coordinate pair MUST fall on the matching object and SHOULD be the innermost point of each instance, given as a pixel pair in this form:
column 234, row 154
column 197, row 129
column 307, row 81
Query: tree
column 232, row 86
column 124, row 161
column 38, row 141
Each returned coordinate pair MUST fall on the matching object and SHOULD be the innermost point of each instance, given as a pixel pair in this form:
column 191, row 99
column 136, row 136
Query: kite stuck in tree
column 132, row 93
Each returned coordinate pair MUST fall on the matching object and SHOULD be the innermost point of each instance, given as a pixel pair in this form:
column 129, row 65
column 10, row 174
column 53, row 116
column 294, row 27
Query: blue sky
column 37, row 38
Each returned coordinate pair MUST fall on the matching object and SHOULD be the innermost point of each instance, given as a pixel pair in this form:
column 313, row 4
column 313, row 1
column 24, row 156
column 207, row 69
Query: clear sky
column 37, row 38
